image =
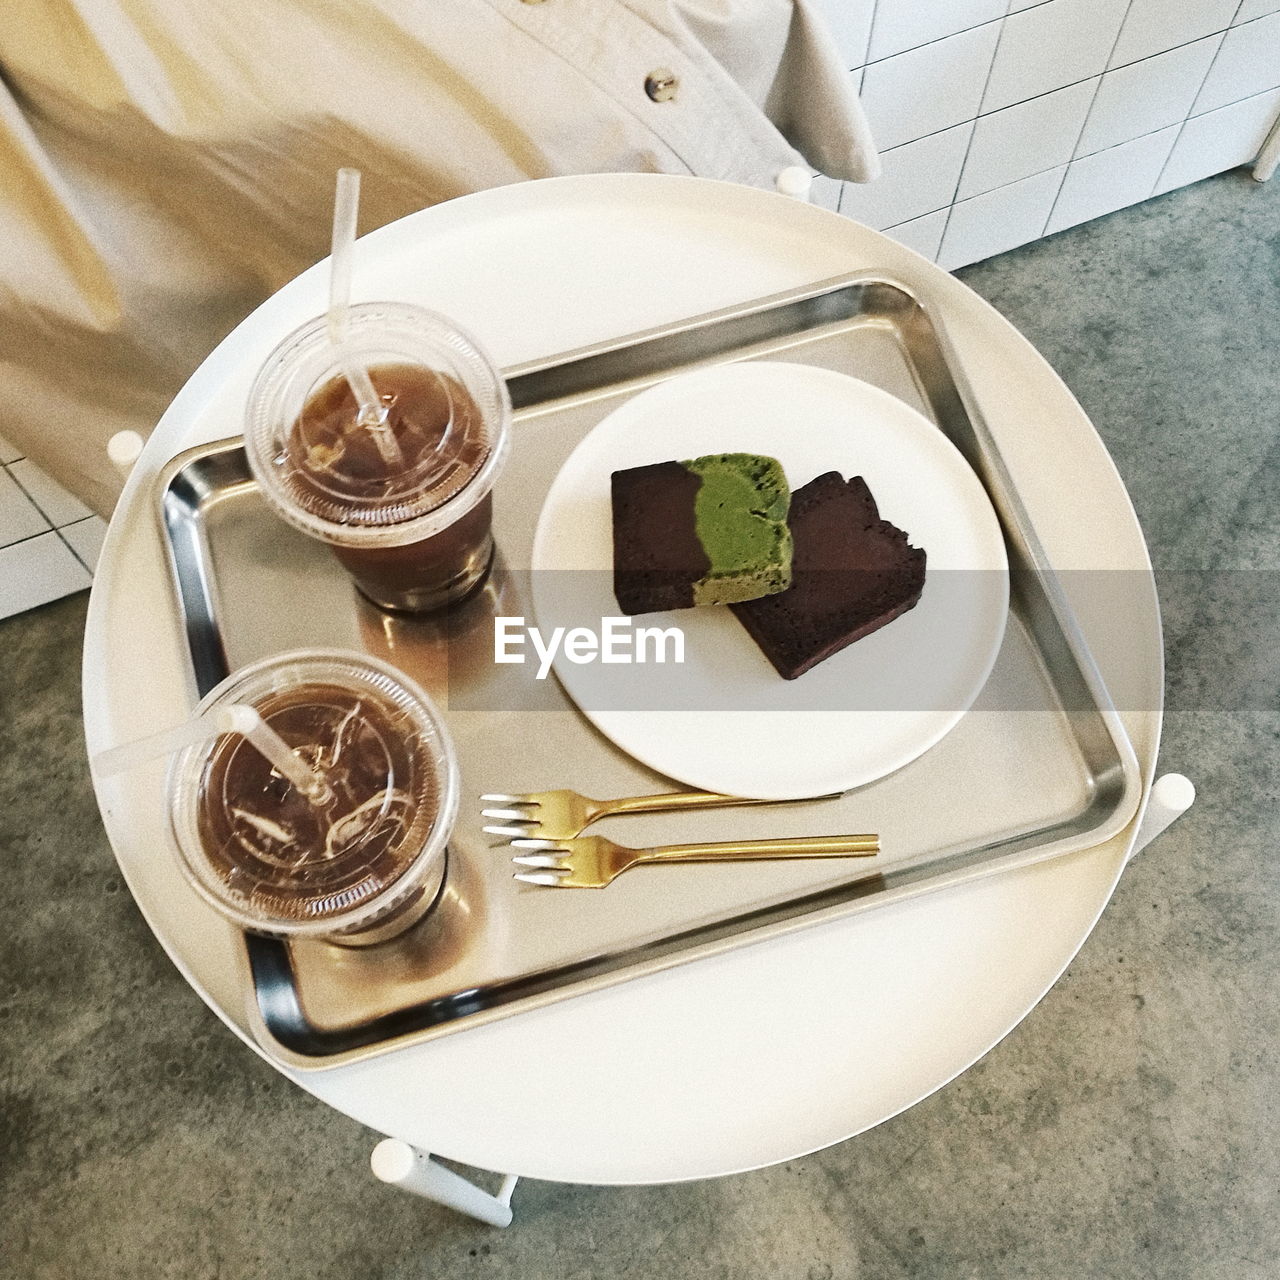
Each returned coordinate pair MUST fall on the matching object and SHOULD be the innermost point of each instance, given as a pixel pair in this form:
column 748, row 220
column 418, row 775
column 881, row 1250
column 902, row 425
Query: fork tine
column 508, row 832
column 507, row 815
column 539, row 877
column 501, row 797
column 552, row 861
column 543, row 846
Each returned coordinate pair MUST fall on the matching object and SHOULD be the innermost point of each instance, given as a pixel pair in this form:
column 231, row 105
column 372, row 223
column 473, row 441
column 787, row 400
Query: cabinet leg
column 1265, row 165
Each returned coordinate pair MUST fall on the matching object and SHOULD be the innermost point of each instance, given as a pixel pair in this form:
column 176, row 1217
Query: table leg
column 123, row 450
column 1171, row 796
column 406, row 1167
column 796, row 182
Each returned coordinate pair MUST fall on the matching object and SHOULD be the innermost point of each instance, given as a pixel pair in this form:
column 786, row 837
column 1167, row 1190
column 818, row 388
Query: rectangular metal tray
column 1040, row 767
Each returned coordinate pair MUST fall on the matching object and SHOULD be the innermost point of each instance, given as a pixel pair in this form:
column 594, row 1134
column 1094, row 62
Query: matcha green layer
column 740, row 514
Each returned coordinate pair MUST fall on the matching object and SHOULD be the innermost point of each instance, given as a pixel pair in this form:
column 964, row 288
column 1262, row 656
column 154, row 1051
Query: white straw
column 372, row 412
column 130, row 755
column 346, row 207
column 234, row 718
column 262, row 737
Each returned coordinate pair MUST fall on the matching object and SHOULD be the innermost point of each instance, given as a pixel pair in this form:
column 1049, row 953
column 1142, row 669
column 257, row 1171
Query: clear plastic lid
column 276, row 862
column 448, row 413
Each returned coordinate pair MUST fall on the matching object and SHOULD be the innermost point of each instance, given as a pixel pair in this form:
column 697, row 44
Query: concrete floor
column 1127, row 1129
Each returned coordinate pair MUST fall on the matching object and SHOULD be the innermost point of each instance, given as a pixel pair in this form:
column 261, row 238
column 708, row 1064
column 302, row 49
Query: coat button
column 661, row 85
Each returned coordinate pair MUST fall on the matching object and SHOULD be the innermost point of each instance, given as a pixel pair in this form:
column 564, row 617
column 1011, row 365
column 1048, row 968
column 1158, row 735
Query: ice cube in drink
column 410, row 522
column 365, row 860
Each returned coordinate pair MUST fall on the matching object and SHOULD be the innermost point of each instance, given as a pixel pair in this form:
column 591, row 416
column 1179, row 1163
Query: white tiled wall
column 49, row 540
column 1001, row 121
column 1052, row 45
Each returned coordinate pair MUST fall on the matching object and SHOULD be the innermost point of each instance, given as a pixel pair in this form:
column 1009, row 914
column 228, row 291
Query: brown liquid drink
column 441, row 438
column 406, row 506
column 361, row 862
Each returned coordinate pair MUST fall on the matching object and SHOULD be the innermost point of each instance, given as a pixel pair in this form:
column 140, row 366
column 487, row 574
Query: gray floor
column 1128, row 1128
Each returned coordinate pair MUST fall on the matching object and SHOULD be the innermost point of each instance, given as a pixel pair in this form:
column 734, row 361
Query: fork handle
column 863, row 846
column 670, row 800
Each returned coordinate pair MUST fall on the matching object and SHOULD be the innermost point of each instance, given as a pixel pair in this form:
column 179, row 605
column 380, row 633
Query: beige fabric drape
column 167, row 164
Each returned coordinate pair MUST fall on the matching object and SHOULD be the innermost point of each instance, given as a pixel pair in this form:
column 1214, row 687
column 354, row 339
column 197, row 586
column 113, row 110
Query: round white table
column 879, row 1010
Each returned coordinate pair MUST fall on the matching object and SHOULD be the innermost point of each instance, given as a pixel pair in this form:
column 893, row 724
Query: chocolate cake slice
column 709, row 530
column 851, row 574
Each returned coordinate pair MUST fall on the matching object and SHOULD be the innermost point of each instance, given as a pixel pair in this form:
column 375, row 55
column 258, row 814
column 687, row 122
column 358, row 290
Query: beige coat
column 167, row 164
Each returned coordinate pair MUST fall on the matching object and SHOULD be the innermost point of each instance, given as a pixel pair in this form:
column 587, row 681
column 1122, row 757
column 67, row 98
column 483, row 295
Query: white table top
column 736, row 1061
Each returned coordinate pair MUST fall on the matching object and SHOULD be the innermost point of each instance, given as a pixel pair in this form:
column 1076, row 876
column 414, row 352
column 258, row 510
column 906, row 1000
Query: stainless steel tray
column 1039, row 767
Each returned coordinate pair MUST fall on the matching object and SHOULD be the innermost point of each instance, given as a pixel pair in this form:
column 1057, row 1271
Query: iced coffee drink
column 358, row 859
column 405, row 503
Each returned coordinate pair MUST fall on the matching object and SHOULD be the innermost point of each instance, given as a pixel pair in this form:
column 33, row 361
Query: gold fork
column 561, row 815
column 591, row 862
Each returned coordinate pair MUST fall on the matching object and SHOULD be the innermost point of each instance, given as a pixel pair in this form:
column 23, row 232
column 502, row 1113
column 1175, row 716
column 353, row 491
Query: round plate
column 723, row 719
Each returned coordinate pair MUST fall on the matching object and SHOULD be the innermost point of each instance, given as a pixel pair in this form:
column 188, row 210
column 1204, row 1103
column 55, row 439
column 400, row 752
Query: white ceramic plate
column 723, row 719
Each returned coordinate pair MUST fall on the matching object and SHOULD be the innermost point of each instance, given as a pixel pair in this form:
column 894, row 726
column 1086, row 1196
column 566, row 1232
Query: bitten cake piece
column 709, row 530
column 851, row 573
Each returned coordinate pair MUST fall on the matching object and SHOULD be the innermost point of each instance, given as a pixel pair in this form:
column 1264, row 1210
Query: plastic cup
column 358, row 866
column 413, row 525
